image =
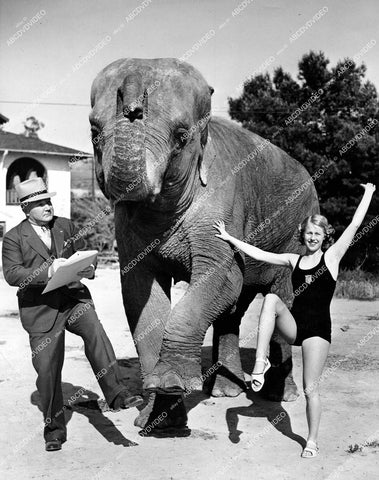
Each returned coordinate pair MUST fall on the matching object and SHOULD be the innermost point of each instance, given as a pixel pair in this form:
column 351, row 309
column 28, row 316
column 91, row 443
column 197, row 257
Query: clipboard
column 67, row 272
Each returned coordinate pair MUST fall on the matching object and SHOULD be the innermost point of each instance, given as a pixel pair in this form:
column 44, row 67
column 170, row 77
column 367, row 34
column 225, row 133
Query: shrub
column 84, row 212
column 357, row 285
column 354, row 448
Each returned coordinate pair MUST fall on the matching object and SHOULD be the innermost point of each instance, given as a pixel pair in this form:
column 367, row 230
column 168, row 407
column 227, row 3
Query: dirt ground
column 232, row 438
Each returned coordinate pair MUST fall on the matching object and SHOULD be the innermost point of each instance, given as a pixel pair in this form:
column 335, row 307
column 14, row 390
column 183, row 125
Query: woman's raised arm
column 283, row 259
column 339, row 248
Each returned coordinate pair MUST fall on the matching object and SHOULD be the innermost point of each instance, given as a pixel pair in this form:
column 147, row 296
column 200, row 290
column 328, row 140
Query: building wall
column 59, row 180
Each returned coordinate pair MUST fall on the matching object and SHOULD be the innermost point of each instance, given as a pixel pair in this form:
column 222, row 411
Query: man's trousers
column 48, row 355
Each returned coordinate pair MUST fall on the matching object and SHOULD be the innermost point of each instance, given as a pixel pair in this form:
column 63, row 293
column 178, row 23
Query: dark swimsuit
column 313, row 289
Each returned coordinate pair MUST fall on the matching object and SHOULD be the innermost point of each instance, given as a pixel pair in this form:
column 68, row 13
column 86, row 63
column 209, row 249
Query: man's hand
column 87, row 272
column 55, row 265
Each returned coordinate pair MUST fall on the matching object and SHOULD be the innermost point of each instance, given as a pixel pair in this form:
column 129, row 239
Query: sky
column 48, row 63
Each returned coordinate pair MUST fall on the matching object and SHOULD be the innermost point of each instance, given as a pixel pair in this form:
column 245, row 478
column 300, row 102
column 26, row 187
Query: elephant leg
column 279, row 383
column 147, row 307
column 179, row 366
column 229, row 380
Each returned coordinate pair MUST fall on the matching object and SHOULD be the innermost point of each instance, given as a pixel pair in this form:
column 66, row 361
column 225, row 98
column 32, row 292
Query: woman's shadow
column 273, row 411
column 85, row 402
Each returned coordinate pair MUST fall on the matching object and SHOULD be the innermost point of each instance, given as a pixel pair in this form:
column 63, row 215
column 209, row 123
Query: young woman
column 308, row 323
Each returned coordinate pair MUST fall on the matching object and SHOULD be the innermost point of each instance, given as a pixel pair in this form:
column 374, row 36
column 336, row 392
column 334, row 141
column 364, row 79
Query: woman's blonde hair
column 319, row 221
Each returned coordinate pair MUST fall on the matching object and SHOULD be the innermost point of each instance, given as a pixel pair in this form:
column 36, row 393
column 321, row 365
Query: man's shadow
column 85, row 402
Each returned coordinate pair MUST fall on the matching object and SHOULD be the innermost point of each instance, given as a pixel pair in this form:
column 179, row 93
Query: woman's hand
column 220, row 226
column 339, row 248
column 369, row 187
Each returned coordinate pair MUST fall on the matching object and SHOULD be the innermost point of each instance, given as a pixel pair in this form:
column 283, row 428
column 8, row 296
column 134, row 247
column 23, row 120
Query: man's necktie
column 46, row 236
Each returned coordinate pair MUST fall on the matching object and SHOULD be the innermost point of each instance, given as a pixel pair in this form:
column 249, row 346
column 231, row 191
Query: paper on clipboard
column 67, row 272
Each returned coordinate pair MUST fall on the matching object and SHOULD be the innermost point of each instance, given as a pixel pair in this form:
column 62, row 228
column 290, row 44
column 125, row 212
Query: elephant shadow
column 276, row 415
column 90, row 405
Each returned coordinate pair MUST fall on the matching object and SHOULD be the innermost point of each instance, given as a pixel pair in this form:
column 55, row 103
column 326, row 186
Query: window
column 2, row 230
column 20, row 170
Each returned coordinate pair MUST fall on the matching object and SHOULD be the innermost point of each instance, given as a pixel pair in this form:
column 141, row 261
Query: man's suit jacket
column 26, row 261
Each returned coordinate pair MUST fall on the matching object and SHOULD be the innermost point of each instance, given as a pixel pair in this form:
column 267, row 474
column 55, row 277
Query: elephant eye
column 97, row 135
column 181, row 137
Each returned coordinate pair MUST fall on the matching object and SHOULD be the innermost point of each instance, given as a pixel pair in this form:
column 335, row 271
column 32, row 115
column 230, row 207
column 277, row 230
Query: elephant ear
column 205, row 161
column 207, row 153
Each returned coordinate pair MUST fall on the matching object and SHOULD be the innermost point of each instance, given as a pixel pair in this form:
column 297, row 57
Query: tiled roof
column 3, row 119
column 20, row 143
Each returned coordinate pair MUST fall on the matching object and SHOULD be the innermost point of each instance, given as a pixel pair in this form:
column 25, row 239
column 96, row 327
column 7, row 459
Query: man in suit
column 32, row 252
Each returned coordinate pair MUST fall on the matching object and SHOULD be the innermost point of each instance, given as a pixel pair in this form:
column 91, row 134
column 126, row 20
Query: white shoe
column 311, row 450
column 258, row 379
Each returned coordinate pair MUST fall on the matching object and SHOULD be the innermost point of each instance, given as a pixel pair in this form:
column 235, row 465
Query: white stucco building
column 22, row 157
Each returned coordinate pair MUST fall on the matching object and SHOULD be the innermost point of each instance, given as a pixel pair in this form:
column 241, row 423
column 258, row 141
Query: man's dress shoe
column 53, row 445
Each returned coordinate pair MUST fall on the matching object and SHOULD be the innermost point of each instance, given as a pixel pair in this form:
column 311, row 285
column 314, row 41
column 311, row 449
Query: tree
column 32, row 126
column 328, row 120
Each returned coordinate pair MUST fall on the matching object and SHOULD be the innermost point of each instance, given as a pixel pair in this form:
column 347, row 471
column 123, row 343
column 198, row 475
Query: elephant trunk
column 127, row 175
column 126, row 178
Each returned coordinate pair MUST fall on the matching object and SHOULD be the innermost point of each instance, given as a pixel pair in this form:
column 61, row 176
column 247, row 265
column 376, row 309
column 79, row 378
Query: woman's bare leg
column 274, row 313
column 315, row 351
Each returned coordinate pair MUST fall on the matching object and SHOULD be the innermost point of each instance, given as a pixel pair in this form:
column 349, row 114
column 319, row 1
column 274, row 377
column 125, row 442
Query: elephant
column 170, row 169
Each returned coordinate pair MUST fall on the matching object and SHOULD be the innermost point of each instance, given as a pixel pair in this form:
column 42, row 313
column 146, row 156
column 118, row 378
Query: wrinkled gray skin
column 169, row 190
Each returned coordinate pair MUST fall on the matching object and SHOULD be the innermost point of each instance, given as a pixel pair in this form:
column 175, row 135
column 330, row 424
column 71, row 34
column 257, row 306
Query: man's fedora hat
column 32, row 190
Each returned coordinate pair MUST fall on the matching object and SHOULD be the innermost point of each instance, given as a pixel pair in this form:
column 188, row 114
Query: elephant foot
column 228, row 381
column 168, row 418
column 291, row 393
column 144, row 414
column 167, row 382
column 279, row 386
column 227, row 386
column 174, row 377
